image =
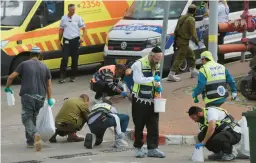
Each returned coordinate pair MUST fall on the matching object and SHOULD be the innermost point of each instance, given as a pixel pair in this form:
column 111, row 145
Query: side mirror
column 199, row 17
column 36, row 22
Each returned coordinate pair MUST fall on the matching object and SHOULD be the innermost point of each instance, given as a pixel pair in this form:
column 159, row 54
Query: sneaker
column 120, row 143
column 120, row 136
column 90, row 140
column 61, row 81
column 194, row 72
column 215, row 156
column 155, row 153
column 173, row 77
column 227, row 157
column 139, row 153
column 74, row 138
column 37, row 142
column 98, row 101
column 72, row 79
column 30, row 145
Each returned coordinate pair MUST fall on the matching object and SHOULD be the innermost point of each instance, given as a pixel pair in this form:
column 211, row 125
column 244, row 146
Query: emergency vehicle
column 140, row 30
column 36, row 23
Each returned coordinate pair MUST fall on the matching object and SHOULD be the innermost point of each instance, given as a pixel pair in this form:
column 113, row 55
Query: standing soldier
column 70, row 31
column 184, row 30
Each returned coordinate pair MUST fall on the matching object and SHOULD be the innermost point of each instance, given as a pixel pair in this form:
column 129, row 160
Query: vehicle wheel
column 15, row 64
column 184, row 67
column 246, row 90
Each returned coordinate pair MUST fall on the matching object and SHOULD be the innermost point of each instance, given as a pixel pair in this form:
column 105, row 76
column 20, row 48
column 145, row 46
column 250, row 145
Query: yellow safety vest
column 146, row 90
column 103, row 108
column 220, row 125
column 216, row 86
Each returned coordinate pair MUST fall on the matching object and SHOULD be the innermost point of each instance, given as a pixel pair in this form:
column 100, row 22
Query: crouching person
column 219, row 131
column 71, row 118
column 103, row 116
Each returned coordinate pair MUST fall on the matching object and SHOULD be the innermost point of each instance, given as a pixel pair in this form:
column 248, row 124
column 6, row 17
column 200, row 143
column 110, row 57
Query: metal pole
column 243, row 53
column 213, row 29
column 164, row 33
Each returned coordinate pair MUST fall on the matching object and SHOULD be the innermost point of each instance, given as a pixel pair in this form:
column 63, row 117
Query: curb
column 168, row 139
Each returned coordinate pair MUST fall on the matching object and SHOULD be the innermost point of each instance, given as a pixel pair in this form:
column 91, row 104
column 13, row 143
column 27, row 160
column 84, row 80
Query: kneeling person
column 219, row 131
column 71, row 118
column 103, row 116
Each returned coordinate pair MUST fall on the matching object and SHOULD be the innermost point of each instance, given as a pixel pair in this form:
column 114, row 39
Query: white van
column 140, row 29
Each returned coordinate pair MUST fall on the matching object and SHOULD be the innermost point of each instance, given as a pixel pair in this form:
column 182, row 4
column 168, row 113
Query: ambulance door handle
column 19, row 42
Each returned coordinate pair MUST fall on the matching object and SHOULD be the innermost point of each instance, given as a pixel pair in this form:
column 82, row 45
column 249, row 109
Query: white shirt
column 71, row 26
column 218, row 115
column 223, row 12
column 139, row 78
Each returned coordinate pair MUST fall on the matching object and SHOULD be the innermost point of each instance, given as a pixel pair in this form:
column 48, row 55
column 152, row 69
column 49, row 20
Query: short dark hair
column 84, row 96
column 194, row 110
column 156, row 50
column 120, row 67
column 71, row 5
column 191, row 10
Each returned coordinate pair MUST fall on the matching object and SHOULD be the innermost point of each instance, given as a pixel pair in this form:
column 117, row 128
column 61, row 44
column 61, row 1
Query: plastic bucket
column 159, row 105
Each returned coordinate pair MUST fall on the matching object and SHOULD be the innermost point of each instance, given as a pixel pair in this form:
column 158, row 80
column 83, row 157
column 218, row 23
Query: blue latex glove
column 158, row 89
column 124, row 94
column 196, row 100
column 157, row 78
column 50, row 102
column 8, row 90
column 197, row 146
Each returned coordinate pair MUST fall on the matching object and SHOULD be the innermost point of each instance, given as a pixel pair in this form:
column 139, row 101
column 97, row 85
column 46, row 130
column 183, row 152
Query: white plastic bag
column 243, row 147
column 10, row 99
column 45, row 122
column 198, row 155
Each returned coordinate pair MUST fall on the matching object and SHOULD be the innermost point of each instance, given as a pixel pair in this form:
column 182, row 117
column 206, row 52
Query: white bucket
column 159, row 105
column 198, row 155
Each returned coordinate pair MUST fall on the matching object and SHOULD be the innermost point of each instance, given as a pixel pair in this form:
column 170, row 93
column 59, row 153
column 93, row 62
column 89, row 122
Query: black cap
column 156, row 50
column 194, row 110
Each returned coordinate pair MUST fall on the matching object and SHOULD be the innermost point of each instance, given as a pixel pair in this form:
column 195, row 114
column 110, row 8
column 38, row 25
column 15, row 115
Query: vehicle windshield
column 154, row 10
column 14, row 12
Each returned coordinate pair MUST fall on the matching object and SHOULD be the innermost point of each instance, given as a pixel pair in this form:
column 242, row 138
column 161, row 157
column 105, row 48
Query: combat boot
column 74, row 138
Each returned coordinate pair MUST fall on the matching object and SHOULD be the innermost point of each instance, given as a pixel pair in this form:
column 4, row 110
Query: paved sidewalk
column 175, row 122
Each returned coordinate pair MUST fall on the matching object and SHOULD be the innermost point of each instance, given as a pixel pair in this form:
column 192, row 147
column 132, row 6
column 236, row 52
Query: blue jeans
column 99, row 126
column 31, row 105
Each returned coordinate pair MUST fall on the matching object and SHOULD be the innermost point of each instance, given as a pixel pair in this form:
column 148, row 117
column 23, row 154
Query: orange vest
column 112, row 68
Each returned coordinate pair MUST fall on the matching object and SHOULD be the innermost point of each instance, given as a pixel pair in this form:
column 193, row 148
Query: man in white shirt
column 146, row 81
column 219, row 131
column 103, row 116
column 70, row 26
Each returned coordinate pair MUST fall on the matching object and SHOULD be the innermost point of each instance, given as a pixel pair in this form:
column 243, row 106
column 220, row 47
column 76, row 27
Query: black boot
column 62, row 77
column 53, row 138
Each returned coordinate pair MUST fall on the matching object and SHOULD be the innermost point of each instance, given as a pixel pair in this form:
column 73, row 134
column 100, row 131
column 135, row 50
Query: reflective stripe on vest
column 145, row 90
column 216, row 87
column 112, row 68
column 220, row 125
column 103, row 107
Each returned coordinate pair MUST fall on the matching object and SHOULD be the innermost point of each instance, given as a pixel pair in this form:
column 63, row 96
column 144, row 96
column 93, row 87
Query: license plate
column 121, row 61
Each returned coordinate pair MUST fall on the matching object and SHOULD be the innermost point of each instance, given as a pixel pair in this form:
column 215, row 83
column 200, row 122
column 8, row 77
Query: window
column 48, row 12
column 154, row 10
column 235, row 6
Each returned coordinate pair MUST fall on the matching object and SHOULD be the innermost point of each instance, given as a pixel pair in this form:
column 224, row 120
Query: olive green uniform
column 72, row 116
column 184, row 31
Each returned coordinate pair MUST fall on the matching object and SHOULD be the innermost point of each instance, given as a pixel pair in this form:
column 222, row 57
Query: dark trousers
column 143, row 114
column 221, row 56
column 31, row 104
column 101, row 88
column 66, row 128
column 222, row 141
column 70, row 48
column 100, row 125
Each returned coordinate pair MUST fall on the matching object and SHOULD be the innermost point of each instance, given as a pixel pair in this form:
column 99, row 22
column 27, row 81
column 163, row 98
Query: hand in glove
column 158, row 89
column 157, row 78
column 234, row 95
column 8, row 90
column 51, row 101
column 124, row 94
column 197, row 146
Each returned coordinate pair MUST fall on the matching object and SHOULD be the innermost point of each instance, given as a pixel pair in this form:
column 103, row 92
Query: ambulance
column 36, row 23
column 140, row 30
